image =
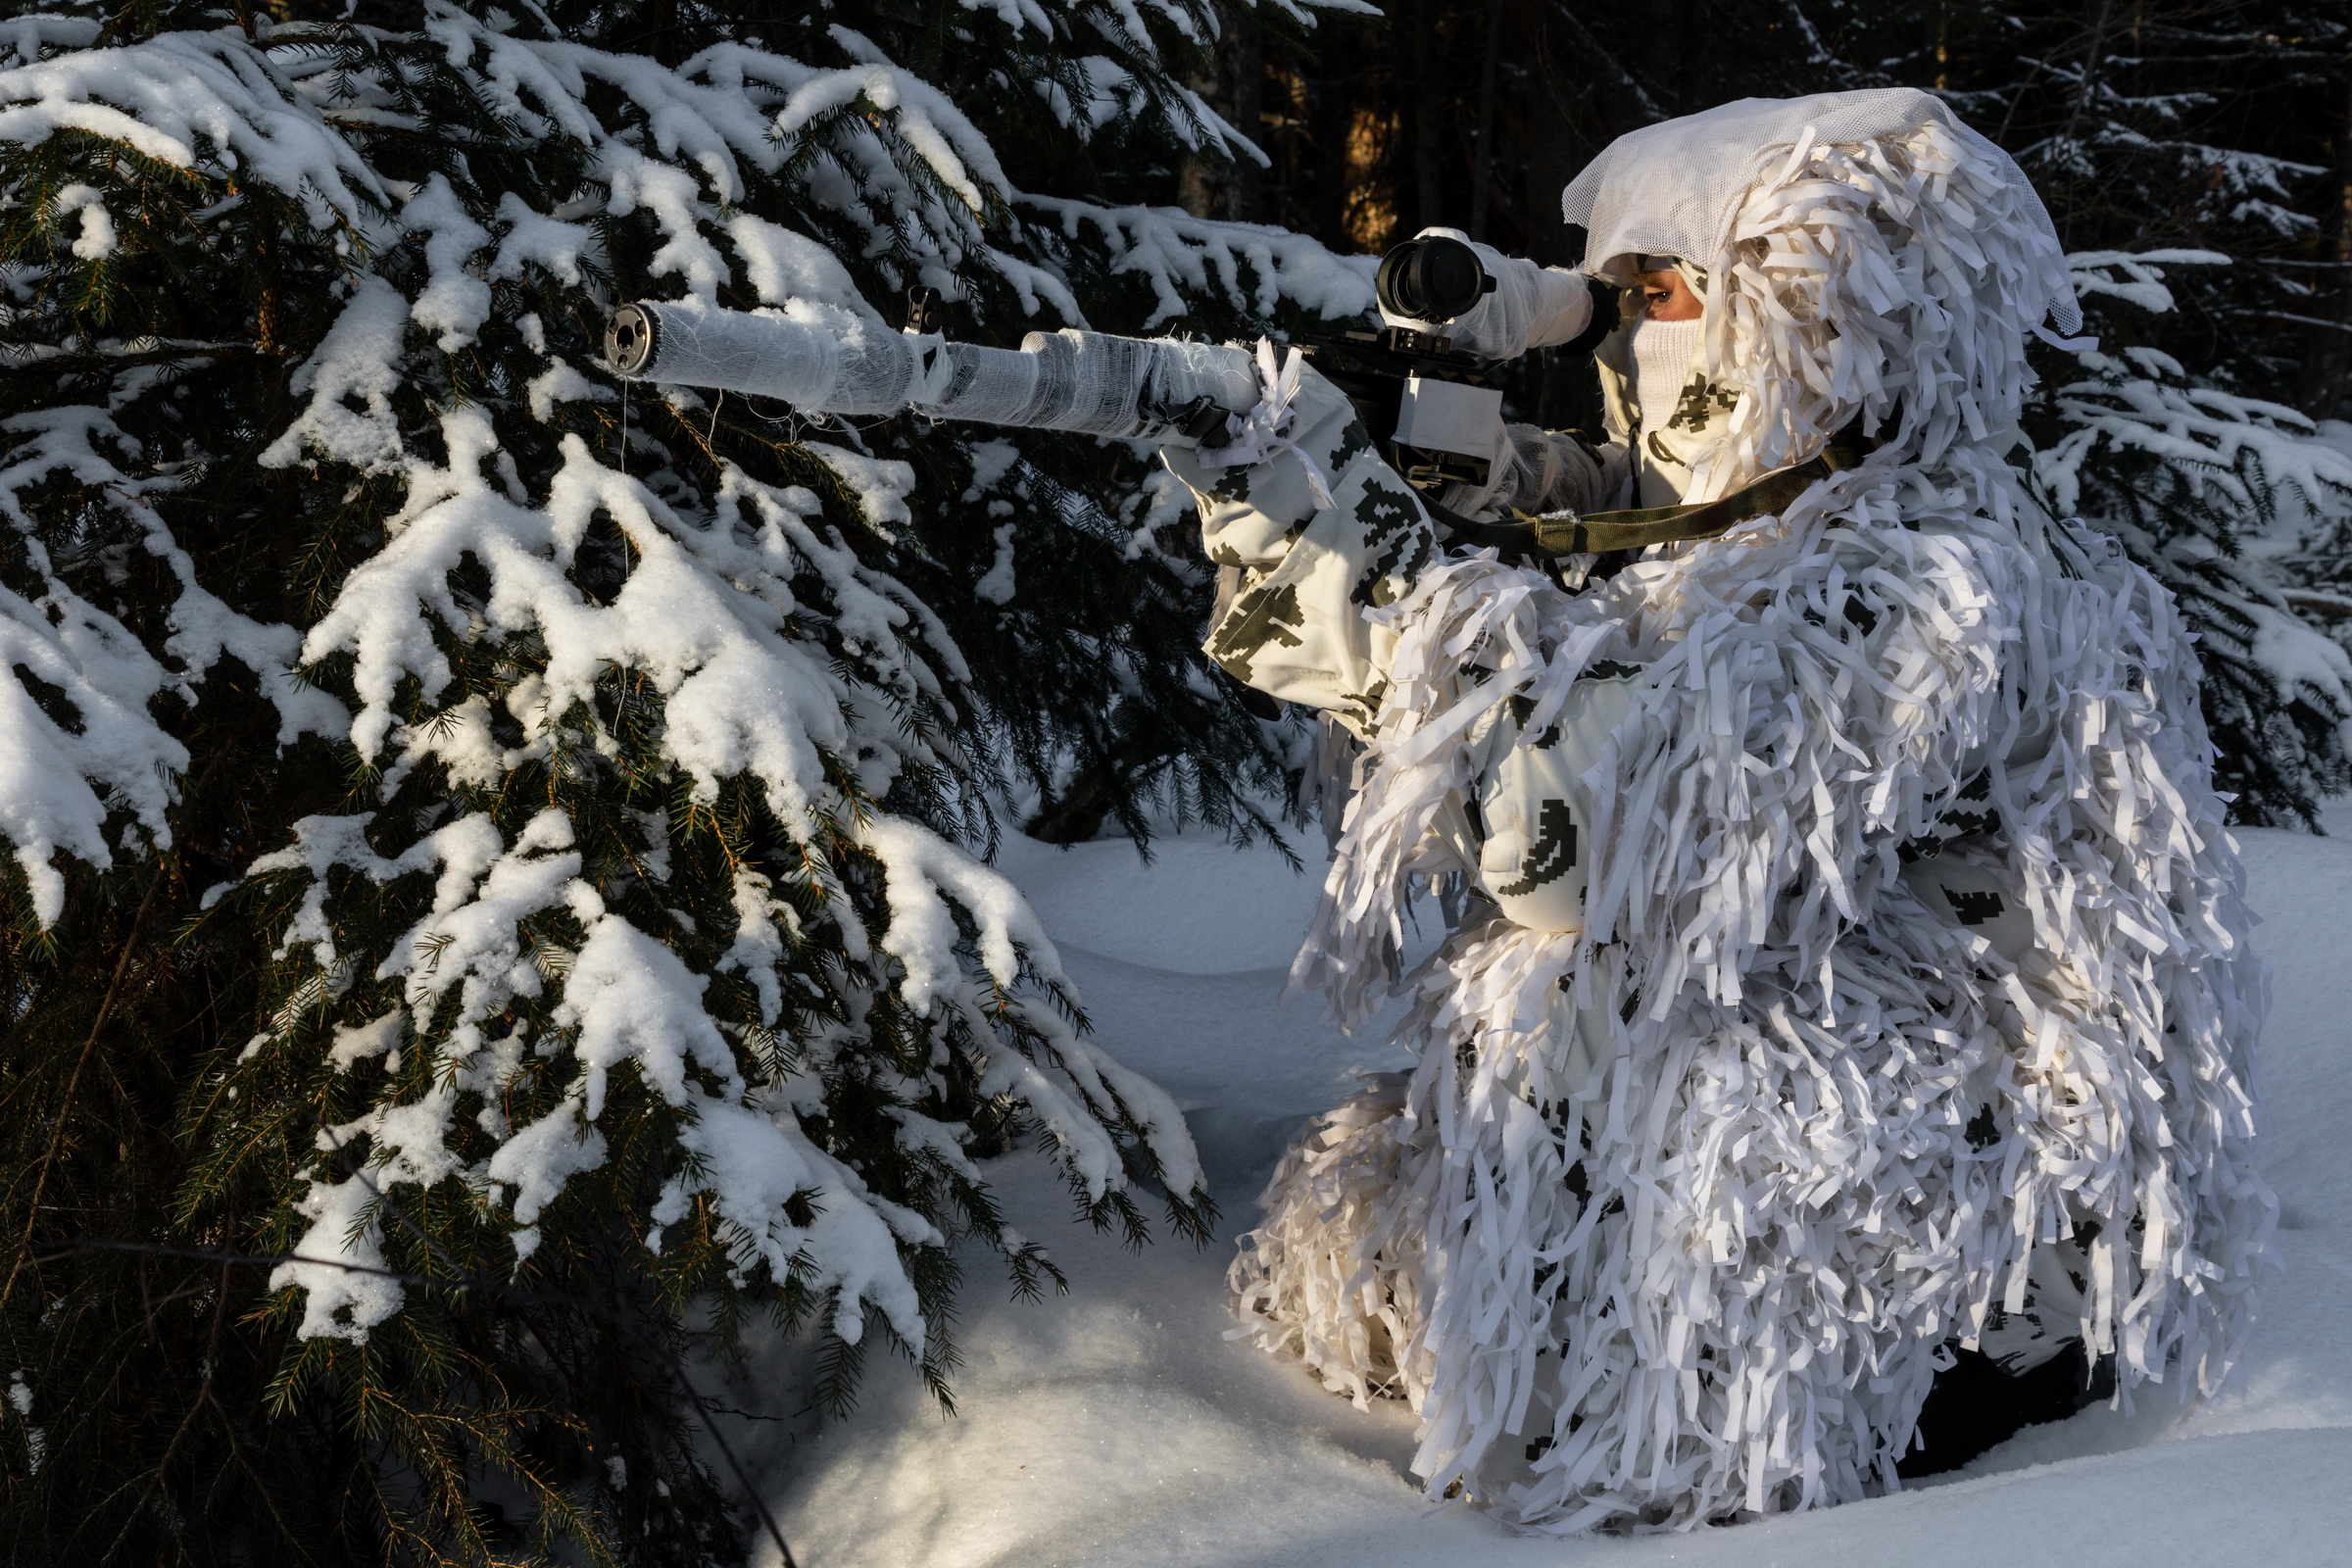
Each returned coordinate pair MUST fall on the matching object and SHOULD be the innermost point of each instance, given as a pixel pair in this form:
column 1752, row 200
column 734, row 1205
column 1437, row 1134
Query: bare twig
column 65, row 1110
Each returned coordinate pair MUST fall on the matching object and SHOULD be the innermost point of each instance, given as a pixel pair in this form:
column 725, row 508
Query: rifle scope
column 1431, row 279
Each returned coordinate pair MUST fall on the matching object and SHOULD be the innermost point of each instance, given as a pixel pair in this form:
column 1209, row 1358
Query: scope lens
column 1432, row 279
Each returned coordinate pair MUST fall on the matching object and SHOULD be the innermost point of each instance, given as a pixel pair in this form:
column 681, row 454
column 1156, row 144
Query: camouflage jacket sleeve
column 1296, row 629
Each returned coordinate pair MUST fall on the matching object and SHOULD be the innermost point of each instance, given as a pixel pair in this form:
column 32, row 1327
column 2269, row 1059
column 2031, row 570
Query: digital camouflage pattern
column 1296, row 629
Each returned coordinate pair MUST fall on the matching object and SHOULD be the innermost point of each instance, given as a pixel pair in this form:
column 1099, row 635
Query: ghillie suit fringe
column 1675, row 1217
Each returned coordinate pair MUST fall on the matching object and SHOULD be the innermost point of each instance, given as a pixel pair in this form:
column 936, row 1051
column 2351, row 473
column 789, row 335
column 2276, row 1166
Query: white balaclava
column 1663, row 354
column 1666, row 353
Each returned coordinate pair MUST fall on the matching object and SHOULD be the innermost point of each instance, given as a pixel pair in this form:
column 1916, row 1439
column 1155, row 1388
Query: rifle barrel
column 1088, row 382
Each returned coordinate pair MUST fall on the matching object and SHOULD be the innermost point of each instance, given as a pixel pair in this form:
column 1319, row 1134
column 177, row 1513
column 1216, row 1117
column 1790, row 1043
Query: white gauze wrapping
column 1824, row 1128
column 810, row 356
column 1092, row 384
column 828, row 360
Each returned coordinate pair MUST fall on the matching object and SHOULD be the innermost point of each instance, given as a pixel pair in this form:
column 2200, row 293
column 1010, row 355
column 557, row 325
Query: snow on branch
column 2200, row 482
column 79, row 742
column 188, row 98
column 1178, row 255
column 2234, row 450
column 531, row 604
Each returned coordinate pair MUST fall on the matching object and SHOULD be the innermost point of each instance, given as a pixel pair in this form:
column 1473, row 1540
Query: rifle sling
column 1641, row 527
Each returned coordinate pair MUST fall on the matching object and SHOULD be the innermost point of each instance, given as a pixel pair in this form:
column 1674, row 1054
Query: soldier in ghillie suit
column 1854, row 974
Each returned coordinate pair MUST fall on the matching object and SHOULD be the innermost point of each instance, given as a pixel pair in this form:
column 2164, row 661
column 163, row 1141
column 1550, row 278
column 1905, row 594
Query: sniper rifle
column 1436, row 411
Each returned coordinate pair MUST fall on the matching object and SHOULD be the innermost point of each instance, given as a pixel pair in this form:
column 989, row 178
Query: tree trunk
column 1429, row 111
column 1235, row 86
column 662, row 39
column 1329, row 111
column 1482, row 148
column 1077, row 812
column 2328, row 372
column 2094, row 63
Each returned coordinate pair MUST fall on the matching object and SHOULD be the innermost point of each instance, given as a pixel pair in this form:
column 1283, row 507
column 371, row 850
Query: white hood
column 1675, row 187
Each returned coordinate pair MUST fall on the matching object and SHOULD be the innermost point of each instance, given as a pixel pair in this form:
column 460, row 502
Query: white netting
column 814, row 357
column 1532, row 306
column 1672, row 188
column 1094, row 384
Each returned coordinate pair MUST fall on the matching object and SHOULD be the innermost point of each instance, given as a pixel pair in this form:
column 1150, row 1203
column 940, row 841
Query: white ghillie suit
column 1860, row 948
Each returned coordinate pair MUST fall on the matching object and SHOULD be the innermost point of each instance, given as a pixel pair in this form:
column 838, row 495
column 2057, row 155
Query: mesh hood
column 1674, row 188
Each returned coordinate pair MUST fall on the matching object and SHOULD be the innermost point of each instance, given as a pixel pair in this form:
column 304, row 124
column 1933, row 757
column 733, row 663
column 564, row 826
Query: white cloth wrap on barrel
column 808, row 356
column 1093, row 384
column 828, row 360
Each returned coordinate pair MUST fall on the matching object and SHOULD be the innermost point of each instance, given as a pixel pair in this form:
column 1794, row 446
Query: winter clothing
column 1851, row 922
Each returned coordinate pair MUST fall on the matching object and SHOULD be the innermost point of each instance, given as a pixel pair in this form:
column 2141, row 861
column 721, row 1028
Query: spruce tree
column 2205, row 486
column 2173, row 144
column 509, row 838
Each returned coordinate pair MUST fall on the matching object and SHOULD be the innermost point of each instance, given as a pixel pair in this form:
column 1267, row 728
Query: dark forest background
column 2146, row 125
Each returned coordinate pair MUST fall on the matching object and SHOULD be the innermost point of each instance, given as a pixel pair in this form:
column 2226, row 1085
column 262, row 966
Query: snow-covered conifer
column 471, row 822
column 2180, row 135
column 2190, row 475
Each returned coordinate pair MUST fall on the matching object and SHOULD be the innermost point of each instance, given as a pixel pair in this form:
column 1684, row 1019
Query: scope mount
column 1373, row 369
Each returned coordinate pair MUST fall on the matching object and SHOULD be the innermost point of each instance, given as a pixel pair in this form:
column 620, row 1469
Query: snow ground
column 1116, row 1425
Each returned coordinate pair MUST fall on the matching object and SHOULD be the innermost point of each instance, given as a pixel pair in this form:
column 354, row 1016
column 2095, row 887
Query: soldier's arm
column 1542, row 470
column 1296, row 627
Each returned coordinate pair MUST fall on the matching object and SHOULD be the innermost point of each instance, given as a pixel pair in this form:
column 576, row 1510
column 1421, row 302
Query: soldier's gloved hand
column 1252, row 512
column 1502, row 486
column 1544, row 471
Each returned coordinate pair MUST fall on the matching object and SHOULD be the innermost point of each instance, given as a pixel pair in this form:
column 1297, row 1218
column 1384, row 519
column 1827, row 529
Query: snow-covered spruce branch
column 1180, row 256
column 2202, row 482
column 657, row 765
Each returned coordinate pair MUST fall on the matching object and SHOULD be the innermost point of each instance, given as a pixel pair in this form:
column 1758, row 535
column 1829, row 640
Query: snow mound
column 1197, row 908
column 1116, row 1425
